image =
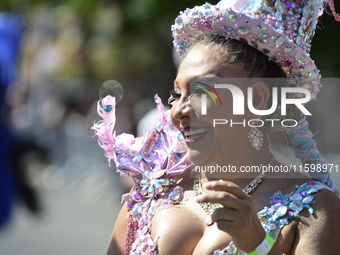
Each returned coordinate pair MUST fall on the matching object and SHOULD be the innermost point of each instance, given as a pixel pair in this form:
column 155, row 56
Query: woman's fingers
column 224, row 214
column 226, row 193
column 243, row 225
column 237, row 216
column 228, row 200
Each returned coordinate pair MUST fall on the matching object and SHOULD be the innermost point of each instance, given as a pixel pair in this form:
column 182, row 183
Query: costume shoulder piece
column 155, row 162
column 283, row 209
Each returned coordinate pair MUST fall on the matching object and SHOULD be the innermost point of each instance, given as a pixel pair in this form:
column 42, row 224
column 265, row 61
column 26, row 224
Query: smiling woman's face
column 208, row 145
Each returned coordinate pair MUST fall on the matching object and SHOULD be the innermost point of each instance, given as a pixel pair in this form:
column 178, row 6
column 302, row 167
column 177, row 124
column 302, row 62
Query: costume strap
column 305, row 149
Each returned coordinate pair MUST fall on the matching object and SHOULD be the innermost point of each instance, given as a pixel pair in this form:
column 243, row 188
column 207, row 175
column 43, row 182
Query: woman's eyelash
column 173, row 96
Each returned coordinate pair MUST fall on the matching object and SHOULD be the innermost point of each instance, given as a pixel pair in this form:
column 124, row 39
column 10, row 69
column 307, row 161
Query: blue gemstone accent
column 107, row 108
column 159, row 126
column 137, row 159
column 117, row 150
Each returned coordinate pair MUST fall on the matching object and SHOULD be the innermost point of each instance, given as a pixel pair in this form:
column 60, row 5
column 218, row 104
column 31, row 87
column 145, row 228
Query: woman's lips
column 193, row 135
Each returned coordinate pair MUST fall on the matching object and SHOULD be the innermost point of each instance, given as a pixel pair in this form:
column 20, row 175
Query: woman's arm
column 117, row 240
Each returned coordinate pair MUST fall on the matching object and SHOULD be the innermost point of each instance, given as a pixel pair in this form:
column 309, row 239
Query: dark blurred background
column 58, row 196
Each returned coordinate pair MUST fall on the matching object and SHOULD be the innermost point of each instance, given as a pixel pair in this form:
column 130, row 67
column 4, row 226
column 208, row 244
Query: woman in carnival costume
column 240, row 43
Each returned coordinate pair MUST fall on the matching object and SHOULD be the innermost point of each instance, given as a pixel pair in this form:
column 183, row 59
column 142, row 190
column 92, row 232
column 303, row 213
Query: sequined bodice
column 283, row 208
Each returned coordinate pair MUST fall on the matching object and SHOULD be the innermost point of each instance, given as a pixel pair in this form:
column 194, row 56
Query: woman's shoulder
column 317, row 230
column 291, row 197
column 285, row 206
column 307, row 212
column 326, row 207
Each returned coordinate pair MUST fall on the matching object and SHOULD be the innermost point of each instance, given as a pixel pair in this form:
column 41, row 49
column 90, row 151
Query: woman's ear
column 261, row 95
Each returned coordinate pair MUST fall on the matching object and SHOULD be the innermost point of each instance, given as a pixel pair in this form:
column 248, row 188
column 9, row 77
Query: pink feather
column 104, row 128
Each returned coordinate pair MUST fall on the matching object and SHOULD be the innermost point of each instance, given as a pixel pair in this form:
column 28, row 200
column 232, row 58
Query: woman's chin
column 198, row 158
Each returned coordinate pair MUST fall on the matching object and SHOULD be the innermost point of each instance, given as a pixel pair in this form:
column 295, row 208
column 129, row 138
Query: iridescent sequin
column 137, row 159
column 244, row 30
column 117, row 150
column 266, row 51
column 208, row 12
column 307, row 75
column 159, row 126
column 232, row 18
column 107, row 108
column 281, row 40
column 254, row 44
column 288, row 49
column 179, row 22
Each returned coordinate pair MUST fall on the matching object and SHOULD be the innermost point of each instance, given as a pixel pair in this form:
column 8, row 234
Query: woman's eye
column 174, row 95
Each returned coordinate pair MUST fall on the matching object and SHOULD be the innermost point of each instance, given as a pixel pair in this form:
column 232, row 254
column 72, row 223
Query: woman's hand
column 238, row 217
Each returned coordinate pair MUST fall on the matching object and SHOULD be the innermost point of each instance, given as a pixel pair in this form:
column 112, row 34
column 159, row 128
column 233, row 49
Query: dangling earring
column 255, row 138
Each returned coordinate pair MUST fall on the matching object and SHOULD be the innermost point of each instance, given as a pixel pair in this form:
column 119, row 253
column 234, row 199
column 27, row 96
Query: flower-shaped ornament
column 153, row 184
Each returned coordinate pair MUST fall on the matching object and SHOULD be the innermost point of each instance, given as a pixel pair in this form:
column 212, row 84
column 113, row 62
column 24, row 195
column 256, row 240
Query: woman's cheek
column 212, row 111
column 197, row 106
column 174, row 121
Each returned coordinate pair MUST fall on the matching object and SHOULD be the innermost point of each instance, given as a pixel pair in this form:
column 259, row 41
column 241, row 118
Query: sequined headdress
column 281, row 29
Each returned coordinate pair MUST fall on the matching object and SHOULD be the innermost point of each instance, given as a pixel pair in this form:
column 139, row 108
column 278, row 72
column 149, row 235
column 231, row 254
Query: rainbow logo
column 210, row 91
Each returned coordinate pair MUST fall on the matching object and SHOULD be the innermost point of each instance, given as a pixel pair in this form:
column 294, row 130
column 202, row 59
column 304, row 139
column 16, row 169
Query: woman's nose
column 182, row 109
